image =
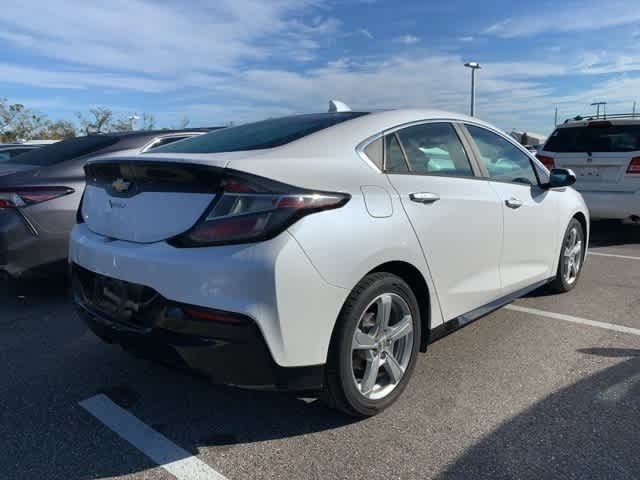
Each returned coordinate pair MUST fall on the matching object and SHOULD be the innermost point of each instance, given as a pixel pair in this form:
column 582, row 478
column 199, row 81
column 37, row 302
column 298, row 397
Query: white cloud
column 366, row 33
column 162, row 38
column 468, row 38
column 407, row 39
column 573, row 16
column 80, row 80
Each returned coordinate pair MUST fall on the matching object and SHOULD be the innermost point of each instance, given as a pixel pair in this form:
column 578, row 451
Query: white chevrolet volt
column 320, row 253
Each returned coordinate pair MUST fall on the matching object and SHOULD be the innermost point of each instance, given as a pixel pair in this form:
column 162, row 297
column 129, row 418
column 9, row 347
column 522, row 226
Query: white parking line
column 628, row 257
column 158, row 448
column 571, row 318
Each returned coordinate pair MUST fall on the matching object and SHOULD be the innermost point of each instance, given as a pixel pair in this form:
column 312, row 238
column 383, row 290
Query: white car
column 320, row 252
column 605, row 155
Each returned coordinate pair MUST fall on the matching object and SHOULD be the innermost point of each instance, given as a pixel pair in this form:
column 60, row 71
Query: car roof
column 615, row 119
column 367, row 127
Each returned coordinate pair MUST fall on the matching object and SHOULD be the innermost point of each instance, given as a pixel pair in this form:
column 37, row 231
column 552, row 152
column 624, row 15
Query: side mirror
column 561, row 177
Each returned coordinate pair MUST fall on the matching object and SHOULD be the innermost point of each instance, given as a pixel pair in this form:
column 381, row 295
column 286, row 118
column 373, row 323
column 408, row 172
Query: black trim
column 153, row 176
column 465, row 319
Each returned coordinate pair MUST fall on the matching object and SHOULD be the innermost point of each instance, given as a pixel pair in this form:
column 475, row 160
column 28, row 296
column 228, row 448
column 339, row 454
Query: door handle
column 513, row 203
column 424, row 197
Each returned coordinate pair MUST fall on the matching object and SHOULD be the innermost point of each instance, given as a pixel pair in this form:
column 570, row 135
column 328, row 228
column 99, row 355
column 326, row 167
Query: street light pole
column 132, row 119
column 473, row 66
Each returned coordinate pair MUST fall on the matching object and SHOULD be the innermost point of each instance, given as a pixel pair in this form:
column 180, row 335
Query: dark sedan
column 40, row 192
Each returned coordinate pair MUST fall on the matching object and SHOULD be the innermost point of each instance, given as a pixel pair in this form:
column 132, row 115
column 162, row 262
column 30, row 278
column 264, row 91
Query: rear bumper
column 234, row 354
column 614, row 205
column 271, row 282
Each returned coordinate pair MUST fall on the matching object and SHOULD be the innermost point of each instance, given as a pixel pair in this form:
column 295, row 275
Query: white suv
column 605, row 155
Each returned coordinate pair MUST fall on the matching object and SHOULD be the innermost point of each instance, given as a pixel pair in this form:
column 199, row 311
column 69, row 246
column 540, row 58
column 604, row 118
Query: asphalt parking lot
column 535, row 390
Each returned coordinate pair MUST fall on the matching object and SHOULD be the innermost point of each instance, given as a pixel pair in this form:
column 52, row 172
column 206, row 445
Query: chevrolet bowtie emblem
column 121, row 185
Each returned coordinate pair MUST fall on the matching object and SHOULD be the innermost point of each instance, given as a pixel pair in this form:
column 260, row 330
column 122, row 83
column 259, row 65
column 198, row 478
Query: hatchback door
column 456, row 216
column 530, row 220
column 148, row 200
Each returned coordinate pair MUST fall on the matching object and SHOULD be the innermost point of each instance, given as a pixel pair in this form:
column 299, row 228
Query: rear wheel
column 571, row 258
column 375, row 345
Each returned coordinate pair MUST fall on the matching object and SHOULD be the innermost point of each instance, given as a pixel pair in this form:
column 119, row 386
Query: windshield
column 254, row 136
column 64, row 150
column 601, row 138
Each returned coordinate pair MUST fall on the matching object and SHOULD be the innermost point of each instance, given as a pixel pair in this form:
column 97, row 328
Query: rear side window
column 601, row 138
column 375, row 152
column 394, row 161
column 259, row 135
column 65, row 150
column 503, row 160
column 434, row 148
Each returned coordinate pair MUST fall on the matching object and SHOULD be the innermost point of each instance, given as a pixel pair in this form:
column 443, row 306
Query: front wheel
column 571, row 258
column 374, row 347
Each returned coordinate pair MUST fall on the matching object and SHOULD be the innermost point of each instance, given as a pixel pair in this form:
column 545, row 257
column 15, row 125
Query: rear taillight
column 634, row 166
column 250, row 209
column 546, row 161
column 14, row 197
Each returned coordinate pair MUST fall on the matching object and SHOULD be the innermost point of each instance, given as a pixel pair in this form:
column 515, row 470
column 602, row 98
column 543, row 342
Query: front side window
column 502, row 160
column 435, row 149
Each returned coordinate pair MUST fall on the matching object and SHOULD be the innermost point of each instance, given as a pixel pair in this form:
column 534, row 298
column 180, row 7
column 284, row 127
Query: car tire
column 572, row 254
column 367, row 370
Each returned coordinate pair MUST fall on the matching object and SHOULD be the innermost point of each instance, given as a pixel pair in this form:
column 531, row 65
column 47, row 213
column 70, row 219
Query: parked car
column 11, row 150
column 40, row 192
column 605, row 155
column 320, row 252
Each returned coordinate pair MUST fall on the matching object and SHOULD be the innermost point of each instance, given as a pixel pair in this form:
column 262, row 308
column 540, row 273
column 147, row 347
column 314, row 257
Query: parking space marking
column 571, row 318
column 628, row 257
column 158, row 448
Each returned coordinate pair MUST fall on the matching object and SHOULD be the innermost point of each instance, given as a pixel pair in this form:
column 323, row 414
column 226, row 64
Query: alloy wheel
column 382, row 346
column 572, row 256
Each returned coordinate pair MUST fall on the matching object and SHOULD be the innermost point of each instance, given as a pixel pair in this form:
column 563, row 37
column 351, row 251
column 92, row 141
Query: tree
column 99, row 120
column 56, row 130
column 8, row 113
column 148, row 121
column 524, row 138
column 184, row 123
column 18, row 123
column 122, row 124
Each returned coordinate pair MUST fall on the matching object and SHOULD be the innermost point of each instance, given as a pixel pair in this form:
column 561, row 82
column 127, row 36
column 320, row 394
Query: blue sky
column 241, row 60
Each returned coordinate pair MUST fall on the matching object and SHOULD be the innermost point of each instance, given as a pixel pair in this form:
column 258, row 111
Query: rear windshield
column 255, row 136
column 64, row 150
column 602, row 138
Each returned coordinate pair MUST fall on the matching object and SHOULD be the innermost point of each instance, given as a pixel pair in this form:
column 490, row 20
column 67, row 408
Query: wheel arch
column 583, row 221
column 418, row 285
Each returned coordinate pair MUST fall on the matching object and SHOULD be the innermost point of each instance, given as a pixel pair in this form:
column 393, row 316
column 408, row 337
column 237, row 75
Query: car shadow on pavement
column 590, row 429
column 611, row 234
